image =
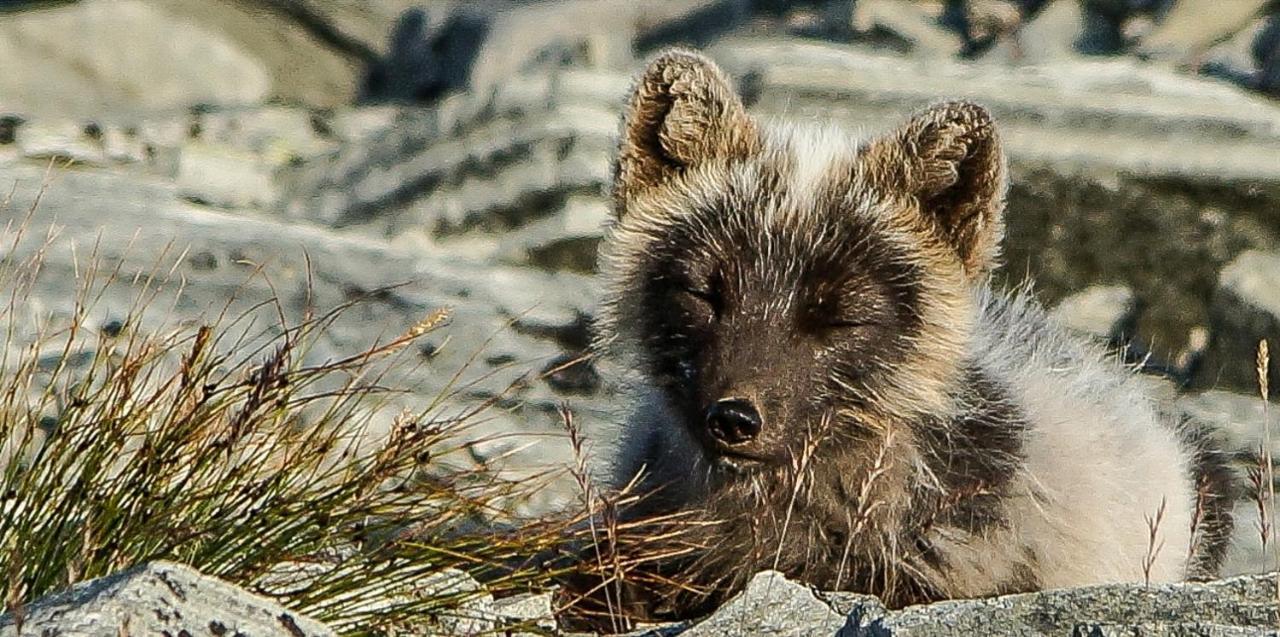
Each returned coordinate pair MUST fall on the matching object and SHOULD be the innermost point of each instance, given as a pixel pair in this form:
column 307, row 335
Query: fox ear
column 682, row 111
column 948, row 158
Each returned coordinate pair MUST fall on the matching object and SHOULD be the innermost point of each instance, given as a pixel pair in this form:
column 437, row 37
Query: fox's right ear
column 682, row 111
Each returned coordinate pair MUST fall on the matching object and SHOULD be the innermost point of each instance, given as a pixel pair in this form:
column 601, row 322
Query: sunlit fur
column 939, row 439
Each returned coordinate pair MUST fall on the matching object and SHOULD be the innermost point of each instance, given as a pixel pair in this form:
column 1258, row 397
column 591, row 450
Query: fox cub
column 824, row 375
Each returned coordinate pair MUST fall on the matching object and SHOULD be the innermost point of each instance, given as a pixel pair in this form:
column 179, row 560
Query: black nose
column 733, row 421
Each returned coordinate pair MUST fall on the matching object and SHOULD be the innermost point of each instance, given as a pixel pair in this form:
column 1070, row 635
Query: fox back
column 823, row 374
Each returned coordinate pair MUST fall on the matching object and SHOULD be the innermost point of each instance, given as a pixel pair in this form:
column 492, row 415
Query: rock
column 1043, row 38
column 1104, row 312
column 771, row 605
column 9, row 125
column 527, row 611
column 423, row 64
column 517, row 175
column 1190, row 27
column 224, row 179
column 361, row 27
column 278, row 135
column 475, row 613
column 1266, row 53
column 170, row 62
column 698, row 23
column 99, row 143
column 1235, row 58
column 63, row 140
column 306, row 61
column 1237, row 418
column 915, row 27
column 1246, row 553
column 1245, row 309
column 1100, row 34
column 158, row 598
column 568, row 239
column 990, row 20
column 599, row 35
column 1237, row 606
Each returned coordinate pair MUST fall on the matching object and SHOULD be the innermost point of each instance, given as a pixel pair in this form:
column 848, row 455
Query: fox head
column 773, row 282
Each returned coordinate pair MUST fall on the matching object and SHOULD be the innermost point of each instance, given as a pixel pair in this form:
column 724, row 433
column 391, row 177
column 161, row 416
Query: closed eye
column 829, row 312
column 706, row 296
column 705, row 303
column 706, row 290
column 849, row 324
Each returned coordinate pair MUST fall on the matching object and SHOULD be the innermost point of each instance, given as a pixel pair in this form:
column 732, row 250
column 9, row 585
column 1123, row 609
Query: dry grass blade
column 1154, row 541
column 610, row 585
column 1267, row 506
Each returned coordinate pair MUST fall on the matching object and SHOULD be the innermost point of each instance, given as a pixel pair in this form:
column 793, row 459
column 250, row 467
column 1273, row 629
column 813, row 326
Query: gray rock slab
column 1237, row 418
column 473, row 616
column 1101, row 102
column 303, row 66
column 1104, row 312
column 1244, row 310
column 1046, row 38
column 154, row 599
column 277, row 134
column 365, row 25
column 223, row 178
column 169, row 61
column 1191, row 26
column 916, row 23
column 507, row 324
column 1245, row 605
column 526, row 611
column 1247, row 554
column 62, row 140
column 771, row 605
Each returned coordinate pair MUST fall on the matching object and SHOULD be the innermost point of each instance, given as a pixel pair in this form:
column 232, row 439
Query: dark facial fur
column 818, row 310
column 797, row 342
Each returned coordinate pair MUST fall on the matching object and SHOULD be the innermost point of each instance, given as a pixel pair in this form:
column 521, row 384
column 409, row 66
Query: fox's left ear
column 949, row 159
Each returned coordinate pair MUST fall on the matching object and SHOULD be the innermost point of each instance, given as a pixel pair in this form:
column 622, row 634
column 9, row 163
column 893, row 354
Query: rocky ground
column 411, row 155
column 172, row 599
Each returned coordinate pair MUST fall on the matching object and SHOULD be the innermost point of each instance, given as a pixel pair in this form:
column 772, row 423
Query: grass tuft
column 223, row 446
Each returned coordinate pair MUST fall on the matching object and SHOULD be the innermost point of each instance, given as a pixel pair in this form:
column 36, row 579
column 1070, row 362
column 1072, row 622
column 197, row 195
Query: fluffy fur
column 922, row 437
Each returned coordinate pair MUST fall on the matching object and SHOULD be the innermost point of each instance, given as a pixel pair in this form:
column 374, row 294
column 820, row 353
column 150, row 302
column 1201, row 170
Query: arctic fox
column 825, row 375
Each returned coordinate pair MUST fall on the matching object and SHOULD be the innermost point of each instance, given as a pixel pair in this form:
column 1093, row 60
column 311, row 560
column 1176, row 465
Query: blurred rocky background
column 415, row 154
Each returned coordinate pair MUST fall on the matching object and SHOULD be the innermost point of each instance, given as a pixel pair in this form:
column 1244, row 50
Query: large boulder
column 1245, row 309
column 1104, row 312
column 158, row 598
column 68, row 59
column 517, row 174
column 1243, row 605
column 773, row 605
column 1241, row 425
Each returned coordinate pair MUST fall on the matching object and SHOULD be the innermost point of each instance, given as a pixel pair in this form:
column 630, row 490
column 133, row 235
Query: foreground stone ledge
column 773, row 605
column 1246, row 605
column 159, row 598
column 166, row 598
